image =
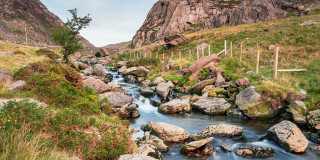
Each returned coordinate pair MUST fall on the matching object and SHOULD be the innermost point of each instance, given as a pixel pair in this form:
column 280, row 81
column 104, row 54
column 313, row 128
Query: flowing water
column 196, row 122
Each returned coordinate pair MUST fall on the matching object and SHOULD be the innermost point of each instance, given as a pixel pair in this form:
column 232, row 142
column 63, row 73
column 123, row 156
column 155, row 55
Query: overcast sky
column 114, row 21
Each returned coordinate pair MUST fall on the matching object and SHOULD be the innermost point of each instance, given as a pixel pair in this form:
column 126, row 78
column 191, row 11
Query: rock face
column 166, row 132
column 116, row 99
column 313, row 118
column 298, row 110
column 172, row 17
column 40, row 22
column 254, row 106
column 176, row 106
column 5, row 77
column 100, row 70
column 148, row 149
column 255, row 152
column 163, row 90
column 198, row 148
column 197, row 88
column 288, row 136
column 17, row 87
column 212, row 106
column 96, row 84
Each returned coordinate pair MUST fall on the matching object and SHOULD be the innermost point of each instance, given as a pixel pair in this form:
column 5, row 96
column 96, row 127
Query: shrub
column 204, row 73
column 19, row 52
column 48, row 53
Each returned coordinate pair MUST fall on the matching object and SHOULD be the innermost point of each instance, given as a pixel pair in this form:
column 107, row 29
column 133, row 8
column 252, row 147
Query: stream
column 196, row 122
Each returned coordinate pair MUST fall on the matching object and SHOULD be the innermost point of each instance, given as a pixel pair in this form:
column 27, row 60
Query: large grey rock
column 253, row 105
column 130, row 71
column 157, row 81
column 288, row 136
column 198, row 148
column 147, row 92
column 166, row 131
column 256, row 152
column 197, row 88
column 176, row 106
column 298, row 110
column 88, row 71
column 148, row 149
column 116, row 99
column 97, row 84
column 122, row 69
column 100, row 70
column 156, row 141
column 211, row 106
column 163, row 90
column 220, row 129
column 313, row 118
column 17, row 86
column 135, row 157
column 5, row 77
column 142, row 71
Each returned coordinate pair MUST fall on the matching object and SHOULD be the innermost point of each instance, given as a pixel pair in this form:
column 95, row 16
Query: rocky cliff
column 15, row 15
column 171, row 17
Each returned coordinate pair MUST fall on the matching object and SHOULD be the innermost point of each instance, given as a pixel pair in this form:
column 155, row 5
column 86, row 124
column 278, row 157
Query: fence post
column 172, row 55
column 276, row 57
column 202, row 50
column 162, row 56
column 180, row 55
column 150, row 55
column 209, row 50
column 25, row 31
column 197, row 53
column 258, row 60
column 157, row 55
column 134, row 55
column 241, row 52
column 225, row 48
column 231, row 49
column 190, row 54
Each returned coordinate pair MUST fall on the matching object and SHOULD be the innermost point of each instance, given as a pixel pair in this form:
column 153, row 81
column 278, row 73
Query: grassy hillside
column 299, row 48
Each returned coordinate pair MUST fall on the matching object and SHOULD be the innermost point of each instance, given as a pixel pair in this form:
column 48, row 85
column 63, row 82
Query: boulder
column 142, row 72
column 197, row 89
column 207, row 88
column 163, row 90
column 88, row 71
column 174, row 40
column 314, row 148
column 156, row 141
column 146, row 92
column 202, row 62
column 211, row 106
column 122, row 69
column 287, row 135
column 157, row 81
column 224, row 130
column 121, row 64
column 148, row 149
column 78, row 65
column 298, row 110
column 243, row 82
column 298, row 96
column 17, row 86
column 214, row 92
column 236, row 113
column 198, row 148
column 100, row 70
column 166, row 132
column 256, row 152
column 97, row 84
column 130, row 71
column 116, row 99
column 5, row 77
column 219, row 80
column 252, row 104
column 313, row 119
column 176, row 106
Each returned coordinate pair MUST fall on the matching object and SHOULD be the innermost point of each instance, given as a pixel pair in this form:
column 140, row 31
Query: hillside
column 167, row 17
column 16, row 15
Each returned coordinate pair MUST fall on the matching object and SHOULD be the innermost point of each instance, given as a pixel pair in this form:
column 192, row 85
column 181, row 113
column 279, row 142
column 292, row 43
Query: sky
column 113, row 21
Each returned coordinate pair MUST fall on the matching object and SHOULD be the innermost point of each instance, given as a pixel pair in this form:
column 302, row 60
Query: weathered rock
column 212, row 106
column 116, row 99
column 157, row 81
column 252, row 104
column 196, row 89
column 236, row 113
column 243, row 82
column 314, row 148
column 147, row 92
column 298, row 110
column 313, row 119
column 5, row 77
column 224, row 130
column 227, row 147
column 135, row 157
column 198, row 148
column 299, row 96
column 88, row 71
column 122, row 69
column 215, row 92
column 256, row 152
column 288, row 136
column 202, row 62
column 163, row 90
column 176, row 106
column 219, row 80
column 142, row 72
column 17, row 86
column 78, row 65
column 100, row 70
column 131, row 71
column 207, row 88
column 121, row 64
column 156, row 141
column 167, row 132
column 148, row 149
column 97, row 84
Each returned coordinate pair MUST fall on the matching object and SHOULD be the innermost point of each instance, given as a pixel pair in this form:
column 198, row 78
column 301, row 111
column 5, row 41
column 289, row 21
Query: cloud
column 114, row 21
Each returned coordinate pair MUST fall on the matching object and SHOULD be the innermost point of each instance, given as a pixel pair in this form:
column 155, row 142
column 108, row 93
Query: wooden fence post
column 180, row 55
column 225, row 48
column 231, row 49
column 209, row 50
column 258, row 61
column 130, row 55
column 150, row 55
column 172, row 55
column 25, row 31
column 202, row 50
column 157, row 55
column 276, row 58
column 162, row 56
column 240, row 52
column 197, row 53
column 190, row 54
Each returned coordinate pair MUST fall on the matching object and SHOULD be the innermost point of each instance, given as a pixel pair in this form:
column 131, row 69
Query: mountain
column 119, row 47
column 15, row 15
column 171, row 17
